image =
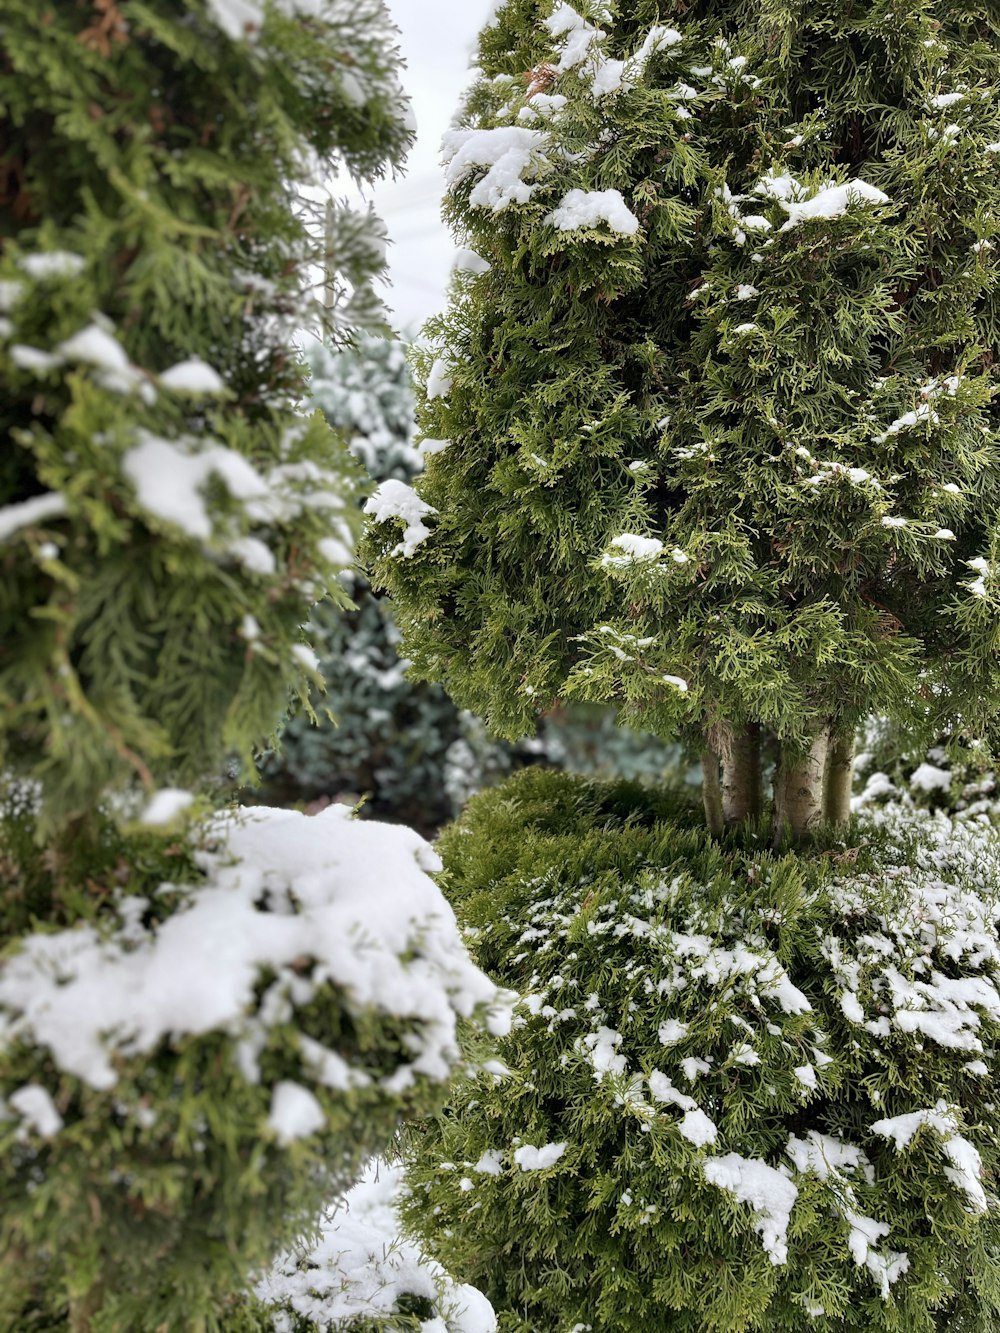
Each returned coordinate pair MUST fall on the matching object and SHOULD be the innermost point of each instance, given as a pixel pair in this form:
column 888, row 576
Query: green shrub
column 195, row 1066
column 742, row 1091
column 207, row 1023
column 374, row 731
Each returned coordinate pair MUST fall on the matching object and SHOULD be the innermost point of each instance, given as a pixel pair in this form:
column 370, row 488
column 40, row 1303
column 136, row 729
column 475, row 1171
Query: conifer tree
column 206, row 1022
column 717, row 383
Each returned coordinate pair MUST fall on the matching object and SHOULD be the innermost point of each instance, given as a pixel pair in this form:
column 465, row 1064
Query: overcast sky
column 437, row 40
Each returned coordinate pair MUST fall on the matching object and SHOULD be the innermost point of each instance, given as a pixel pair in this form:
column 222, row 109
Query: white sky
column 437, row 39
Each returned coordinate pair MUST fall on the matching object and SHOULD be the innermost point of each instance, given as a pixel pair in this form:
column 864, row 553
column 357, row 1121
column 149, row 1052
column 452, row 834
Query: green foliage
column 782, row 393
column 696, row 1013
column 374, row 731
column 164, row 523
column 206, row 1023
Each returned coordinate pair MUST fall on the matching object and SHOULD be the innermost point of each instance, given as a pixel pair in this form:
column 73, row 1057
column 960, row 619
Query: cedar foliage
column 786, row 395
column 692, row 1011
column 167, row 518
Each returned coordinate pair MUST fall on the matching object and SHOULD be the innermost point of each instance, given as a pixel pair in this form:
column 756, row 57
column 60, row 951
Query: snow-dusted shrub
column 954, row 775
column 189, row 1074
column 360, row 1275
column 206, row 1025
column 742, row 1091
column 374, row 731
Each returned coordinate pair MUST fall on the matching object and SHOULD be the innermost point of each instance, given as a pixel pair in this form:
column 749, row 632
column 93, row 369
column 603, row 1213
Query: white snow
column 538, row 1159
column 28, row 512
column 672, row 1030
column 831, row 201
column 281, row 886
column 36, row 1109
column 394, row 499
column 48, row 264
column 360, row 1267
column 295, row 1112
column 943, row 100
column 192, row 376
column 512, row 155
column 96, row 347
column 928, row 778
column 698, row 1129
column 769, row 1193
column 586, row 208
column 633, row 547
column 439, row 380
column 467, row 261
column 165, row 806
column 491, row 1162
column 170, row 475
column 305, row 656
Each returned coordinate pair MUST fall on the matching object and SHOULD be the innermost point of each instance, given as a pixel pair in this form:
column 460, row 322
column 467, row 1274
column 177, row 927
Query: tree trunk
column 741, row 786
column 711, row 793
column 839, row 780
column 83, row 1308
column 798, row 791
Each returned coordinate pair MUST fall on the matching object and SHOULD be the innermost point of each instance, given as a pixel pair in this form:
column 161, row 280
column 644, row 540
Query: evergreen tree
column 206, row 1023
column 373, row 731
column 716, row 387
column 717, row 383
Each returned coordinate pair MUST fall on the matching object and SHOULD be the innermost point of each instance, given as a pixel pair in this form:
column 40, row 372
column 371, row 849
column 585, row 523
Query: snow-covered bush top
column 303, row 903
column 729, row 1062
column 361, row 1268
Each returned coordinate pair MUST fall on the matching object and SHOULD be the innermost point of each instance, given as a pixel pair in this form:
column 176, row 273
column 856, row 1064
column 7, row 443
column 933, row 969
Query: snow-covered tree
column 207, row 1023
column 716, row 383
column 373, row 731
column 716, row 387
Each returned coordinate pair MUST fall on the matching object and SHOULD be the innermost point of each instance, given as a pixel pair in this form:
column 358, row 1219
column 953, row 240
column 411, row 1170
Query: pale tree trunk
column 731, row 784
column 739, row 751
column 83, row 1308
column 798, row 791
column 839, row 780
column 711, row 793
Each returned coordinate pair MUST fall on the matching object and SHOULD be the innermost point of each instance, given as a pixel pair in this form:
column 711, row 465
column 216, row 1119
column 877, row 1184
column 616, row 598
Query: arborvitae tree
column 717, row 395
column 206, row 1024
column 372, row 731
column 717, row 382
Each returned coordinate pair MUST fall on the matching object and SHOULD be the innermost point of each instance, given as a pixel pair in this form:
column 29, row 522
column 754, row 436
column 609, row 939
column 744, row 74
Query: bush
column 374, row 731
column 742, row 1090
column 192, row 1071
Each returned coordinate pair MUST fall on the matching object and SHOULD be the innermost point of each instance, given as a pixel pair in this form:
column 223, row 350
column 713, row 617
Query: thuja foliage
column 717, row 382
column 373, row 731
column 743, row 1090
column 195, row 1047
column 370, row 731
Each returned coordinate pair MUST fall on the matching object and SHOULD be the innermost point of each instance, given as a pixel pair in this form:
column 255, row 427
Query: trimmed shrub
column 375, row 731
column 742, row 1091
column 192, row 1067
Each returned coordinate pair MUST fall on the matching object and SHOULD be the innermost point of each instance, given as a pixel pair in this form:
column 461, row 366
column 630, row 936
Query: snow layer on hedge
column 280, row 887
column 944, row 918
column 360, row 1268
column 768, row 1191
column 512, row 155
column 586, row 208
column 394, row 499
